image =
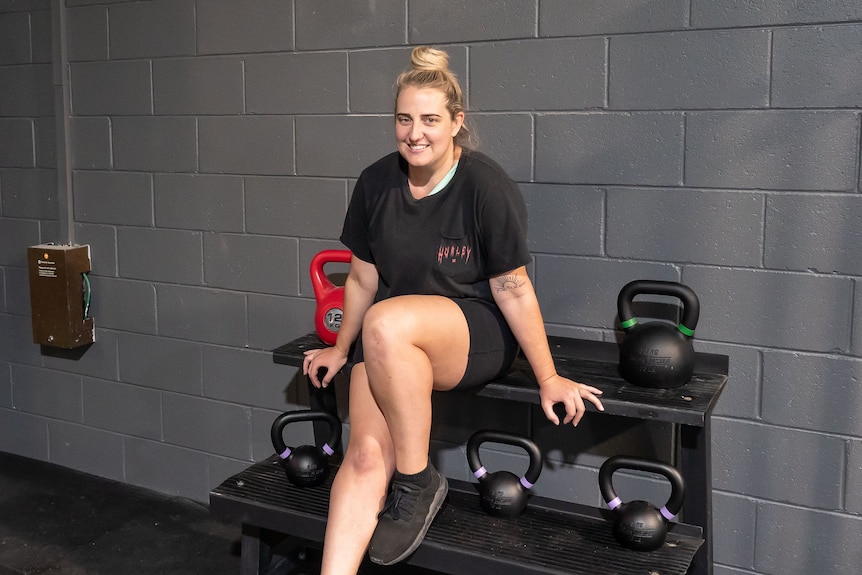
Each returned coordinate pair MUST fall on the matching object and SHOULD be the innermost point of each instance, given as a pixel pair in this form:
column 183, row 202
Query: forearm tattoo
column 506, row 283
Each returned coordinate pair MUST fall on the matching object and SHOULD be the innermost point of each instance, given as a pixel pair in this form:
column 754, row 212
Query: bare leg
column 412, row 345
column 359, row 488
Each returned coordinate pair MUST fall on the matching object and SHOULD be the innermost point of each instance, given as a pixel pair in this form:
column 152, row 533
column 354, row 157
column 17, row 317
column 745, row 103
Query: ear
column 458, row 121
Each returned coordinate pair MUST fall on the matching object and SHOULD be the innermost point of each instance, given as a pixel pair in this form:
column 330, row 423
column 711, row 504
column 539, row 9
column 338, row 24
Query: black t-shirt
column 449, row 243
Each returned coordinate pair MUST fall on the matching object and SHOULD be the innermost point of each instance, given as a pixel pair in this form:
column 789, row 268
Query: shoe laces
column 401, row 500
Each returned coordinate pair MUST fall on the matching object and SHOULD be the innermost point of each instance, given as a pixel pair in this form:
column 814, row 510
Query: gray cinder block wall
column 214, row 145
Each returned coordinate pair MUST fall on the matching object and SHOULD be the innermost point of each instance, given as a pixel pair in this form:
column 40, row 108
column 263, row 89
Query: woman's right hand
column 330, row 358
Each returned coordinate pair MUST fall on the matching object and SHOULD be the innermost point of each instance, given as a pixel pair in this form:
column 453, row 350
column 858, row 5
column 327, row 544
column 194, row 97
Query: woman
column 437, row 297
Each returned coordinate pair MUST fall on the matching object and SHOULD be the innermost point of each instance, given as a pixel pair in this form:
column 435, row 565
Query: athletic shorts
column 493, row 347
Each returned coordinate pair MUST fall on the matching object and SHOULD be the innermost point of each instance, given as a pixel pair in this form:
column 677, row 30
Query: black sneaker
column 405, row 518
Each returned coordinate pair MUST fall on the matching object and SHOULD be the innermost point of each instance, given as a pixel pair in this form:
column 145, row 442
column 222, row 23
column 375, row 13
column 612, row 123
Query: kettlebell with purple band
column 503, row 493
column 330, row 297
column 639, row 525
column 657, row 354
column 306, row 465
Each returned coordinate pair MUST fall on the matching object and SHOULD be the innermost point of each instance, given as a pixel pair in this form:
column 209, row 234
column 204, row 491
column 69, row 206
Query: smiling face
column 424, row 129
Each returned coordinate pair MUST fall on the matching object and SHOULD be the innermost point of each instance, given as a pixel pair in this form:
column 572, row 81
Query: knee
column 384, row 326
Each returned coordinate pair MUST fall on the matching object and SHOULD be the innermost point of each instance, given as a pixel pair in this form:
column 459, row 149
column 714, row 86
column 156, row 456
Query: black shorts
column 493, row 347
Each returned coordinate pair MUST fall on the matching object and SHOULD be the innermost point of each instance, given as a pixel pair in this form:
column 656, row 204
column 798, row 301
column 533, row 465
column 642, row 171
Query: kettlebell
column 657, row 354
column 639, row 525
column 306, row 465
column 330, row 297
column 503, row 494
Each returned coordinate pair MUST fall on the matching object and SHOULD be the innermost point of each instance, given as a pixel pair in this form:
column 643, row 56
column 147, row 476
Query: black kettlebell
column 306, row 465
column 503, row 493
column 657, row 354
column 639, row 525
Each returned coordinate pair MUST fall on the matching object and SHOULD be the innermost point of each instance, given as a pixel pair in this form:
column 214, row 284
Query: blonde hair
column 429, row 68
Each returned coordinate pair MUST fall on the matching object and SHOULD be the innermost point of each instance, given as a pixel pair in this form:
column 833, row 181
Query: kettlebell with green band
column 657, row 354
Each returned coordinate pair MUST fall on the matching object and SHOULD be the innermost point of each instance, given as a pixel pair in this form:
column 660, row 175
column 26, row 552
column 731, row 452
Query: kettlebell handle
column 319, row 281
column 612, row 464
column 689, row 299
column 485, row 436
column 288, row 417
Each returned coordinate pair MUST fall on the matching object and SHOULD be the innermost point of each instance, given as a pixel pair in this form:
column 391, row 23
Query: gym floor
column 57, row 521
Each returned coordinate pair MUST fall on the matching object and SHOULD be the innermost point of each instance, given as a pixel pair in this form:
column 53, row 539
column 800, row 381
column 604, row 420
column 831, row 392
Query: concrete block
column 17, row 143
column 564, row 219
column 125, row 409
column 199, row 202
column 111, row 88
column 17, row 235
column 732, row 13
column 121, row 198
column 86, row 449
column 23, row 434
column 46, row 392
column 364, row 23
column 569, row 292
column 172, row 256
column 373, row 72
column 161, row 363
column 99, row 360
column 125, row 305
column 828, row 541
column 16, row 282
column 247, row 377
column 198, row 86
column 5, row 385
column 537, row 74
column 91, row 143
column 741, row 395
column 734, row 524
column 632, row 148
column 817, row 67
column 779, row 464
column 103, row 247
column 15, row 39
column 201, row 314
column 45, row 136
column 29, row 193
column 298, row 207
column 708, row 227
column 460, row 21
column 251, row 263
column 27, row 91
column 296, row 83
column 773, row 308
column 230, row 27
column 508, row 140
column 266, row 330
column 167, row 469
column 690, row 70
column 856, row 347
column 319, row 154
column 812, row 392
column 87, row 33
column 586, row 18
column 152, row 29
column 852, row 495
column 40, row 36
column 16, row 341
column 566, row 482
column 255, row 145
column 206, row 425
column 777, row 150
column 155, row 144
column 821, row 233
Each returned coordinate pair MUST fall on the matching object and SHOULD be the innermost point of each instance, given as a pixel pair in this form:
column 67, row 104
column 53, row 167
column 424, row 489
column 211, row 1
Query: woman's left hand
column 558, row 389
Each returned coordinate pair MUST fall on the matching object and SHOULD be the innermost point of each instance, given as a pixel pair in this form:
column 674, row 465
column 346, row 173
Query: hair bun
column 425, row 58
